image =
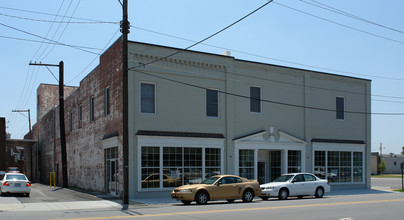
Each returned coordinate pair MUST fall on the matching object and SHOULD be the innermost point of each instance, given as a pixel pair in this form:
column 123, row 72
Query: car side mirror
column 218, row 183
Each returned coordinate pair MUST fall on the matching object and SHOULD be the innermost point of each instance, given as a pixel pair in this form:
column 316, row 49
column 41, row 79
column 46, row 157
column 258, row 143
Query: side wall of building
column 88, row 125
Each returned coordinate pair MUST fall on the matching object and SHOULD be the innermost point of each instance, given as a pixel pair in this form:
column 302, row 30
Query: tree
column 382, row 167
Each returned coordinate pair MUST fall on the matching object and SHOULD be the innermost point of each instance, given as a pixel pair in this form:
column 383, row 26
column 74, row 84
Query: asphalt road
column 371, row 205
column 49, row 203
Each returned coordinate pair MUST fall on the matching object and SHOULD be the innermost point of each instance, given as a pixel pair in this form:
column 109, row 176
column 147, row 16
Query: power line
column 63, row 22
column 47, row 33
column 58, row 43
column 343, row 25
column 199, row 42
column 61, row 34
column 338, row 11
column 268, row 101
column 94, row 57
column 48, row 14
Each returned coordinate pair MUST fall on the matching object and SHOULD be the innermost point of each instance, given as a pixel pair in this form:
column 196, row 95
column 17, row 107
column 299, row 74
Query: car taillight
column 28, row 184
column 6, row 183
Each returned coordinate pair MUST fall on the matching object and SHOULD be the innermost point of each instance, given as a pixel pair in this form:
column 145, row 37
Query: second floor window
column 147, row 98
column 71, row 121
column 92, row 109
column 340, row 108
column 80, row 114
column 106, row 102
column 212, row 103
column 255, row 99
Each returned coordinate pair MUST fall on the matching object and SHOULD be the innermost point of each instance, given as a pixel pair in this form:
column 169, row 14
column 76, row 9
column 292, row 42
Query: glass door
column 113, row 180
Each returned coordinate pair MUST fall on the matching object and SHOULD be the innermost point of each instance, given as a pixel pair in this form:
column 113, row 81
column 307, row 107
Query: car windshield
column 15, row 177
column 283, row 178
column 210, row 180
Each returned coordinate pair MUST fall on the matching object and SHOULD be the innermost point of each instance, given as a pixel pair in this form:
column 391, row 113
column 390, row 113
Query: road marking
column 235, row 210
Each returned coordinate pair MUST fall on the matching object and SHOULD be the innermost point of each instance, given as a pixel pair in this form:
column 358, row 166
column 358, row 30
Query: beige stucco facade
column 297, row 114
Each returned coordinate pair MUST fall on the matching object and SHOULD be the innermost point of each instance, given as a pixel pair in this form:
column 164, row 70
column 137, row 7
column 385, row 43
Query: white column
column 256, row 164
column 284, row 163
column 236, row 162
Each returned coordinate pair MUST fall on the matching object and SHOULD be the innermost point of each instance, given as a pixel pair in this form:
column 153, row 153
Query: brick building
column 197, row 114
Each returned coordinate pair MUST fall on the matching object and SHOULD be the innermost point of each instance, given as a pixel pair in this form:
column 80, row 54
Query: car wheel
column 283, row 194
column 186, row 202
column 248, row 195
column 202, row 197
column 230, row 200
column 319, row 192
column 264, row 197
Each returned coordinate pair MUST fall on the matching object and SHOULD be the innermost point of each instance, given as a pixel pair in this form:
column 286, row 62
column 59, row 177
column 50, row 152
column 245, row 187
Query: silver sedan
column 15, row 183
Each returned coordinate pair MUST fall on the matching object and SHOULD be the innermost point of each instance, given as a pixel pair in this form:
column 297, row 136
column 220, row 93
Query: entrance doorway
column 111, row 177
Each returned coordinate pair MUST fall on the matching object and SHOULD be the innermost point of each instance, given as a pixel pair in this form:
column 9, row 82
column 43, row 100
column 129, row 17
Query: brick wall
column 85, row 152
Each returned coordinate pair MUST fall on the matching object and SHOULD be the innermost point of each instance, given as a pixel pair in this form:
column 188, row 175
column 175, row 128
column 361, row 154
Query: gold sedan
column 228, row 187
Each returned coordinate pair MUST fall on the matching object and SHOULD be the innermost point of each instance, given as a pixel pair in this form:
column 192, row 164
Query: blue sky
column 364, row 39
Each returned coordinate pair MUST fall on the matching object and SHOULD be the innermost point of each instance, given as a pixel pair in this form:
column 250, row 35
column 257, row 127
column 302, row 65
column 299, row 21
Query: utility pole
column 125, row 31
column 29, row 120
column 61, row 119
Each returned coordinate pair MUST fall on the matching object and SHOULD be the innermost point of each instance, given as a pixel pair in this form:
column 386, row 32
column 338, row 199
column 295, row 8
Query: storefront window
column 150, row 167
column 180, row 165
column 357, row 166
column 319, row 164
column 246, row 164
column 333, row 166
column 294, row 161
column 212, row 162
column 341, row 166
column 345, row 166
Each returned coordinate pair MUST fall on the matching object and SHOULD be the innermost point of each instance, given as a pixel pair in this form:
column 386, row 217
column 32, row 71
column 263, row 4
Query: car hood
column 274, row 184
column 192, row 186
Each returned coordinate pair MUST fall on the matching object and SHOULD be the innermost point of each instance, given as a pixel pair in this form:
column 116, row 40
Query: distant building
column 392, row 161
column 198, row 114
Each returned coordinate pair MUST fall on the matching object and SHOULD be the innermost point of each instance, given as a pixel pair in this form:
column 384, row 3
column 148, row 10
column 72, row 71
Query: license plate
column 17, row 184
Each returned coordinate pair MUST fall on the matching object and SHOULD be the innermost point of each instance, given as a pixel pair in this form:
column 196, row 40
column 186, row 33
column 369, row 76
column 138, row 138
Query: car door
column 226, row 188
column 311, row 184
column 297, row 186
